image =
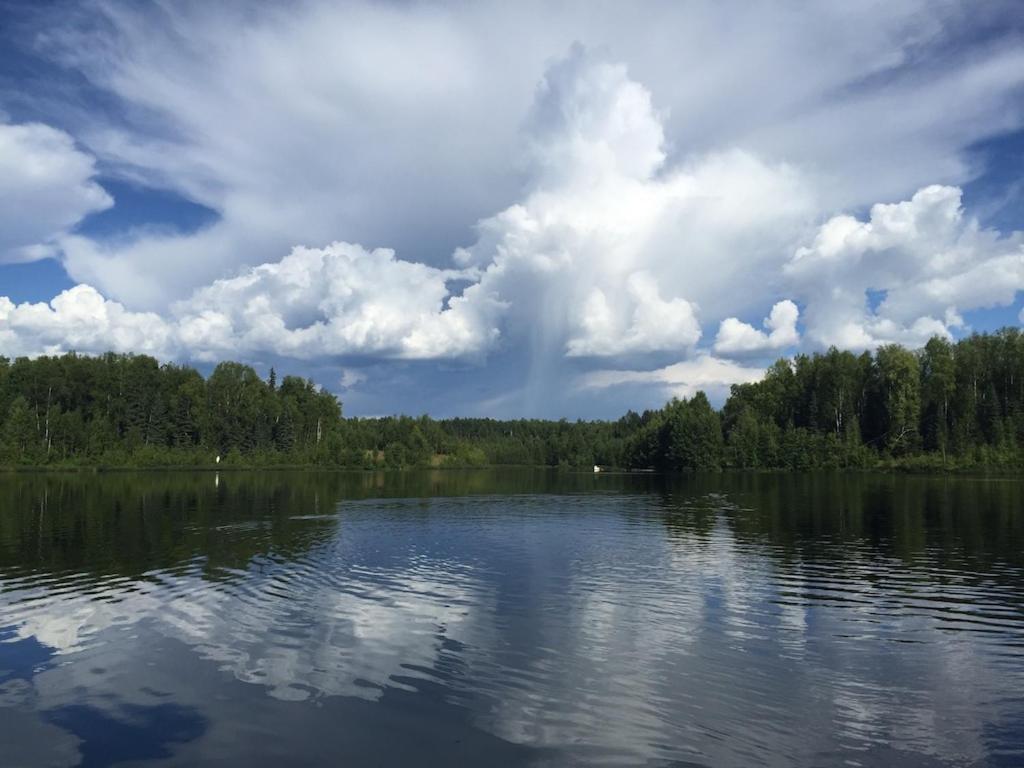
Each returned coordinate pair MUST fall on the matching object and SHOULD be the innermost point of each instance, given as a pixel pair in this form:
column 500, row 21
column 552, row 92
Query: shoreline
column 887, row 469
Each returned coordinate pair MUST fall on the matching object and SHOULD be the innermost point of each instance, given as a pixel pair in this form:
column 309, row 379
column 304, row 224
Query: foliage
column 949, row 405
column 127, row 410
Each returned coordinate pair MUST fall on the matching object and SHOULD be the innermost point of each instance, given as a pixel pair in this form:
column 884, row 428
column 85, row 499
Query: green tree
column 21, row 433
column 899, row 388
column 694, row 434
column 938, row 385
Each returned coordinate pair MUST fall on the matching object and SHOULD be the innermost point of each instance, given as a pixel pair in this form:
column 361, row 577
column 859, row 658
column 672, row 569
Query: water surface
column 508, row 618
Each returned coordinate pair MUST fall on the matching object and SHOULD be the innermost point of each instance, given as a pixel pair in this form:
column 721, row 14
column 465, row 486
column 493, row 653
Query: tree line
column 947, row 405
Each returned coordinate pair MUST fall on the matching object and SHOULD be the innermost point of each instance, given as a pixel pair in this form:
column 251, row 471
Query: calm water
column 511, row 618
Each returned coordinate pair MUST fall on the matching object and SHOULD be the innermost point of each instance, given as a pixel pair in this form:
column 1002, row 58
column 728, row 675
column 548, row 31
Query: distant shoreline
column 893, row 468
column 948, row 407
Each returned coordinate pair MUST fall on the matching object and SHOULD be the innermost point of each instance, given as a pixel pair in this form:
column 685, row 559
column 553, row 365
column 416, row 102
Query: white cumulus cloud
column 924, row 259
column 334, row 301
column 737, row 337
column 81, row 319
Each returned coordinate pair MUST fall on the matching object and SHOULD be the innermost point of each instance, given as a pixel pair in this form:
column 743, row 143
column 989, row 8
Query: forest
column 950, row 405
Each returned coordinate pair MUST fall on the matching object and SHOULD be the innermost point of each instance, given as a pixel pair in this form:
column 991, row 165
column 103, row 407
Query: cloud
column 351, row 377
column 612, row 251
column 590, row 121
column 703, row 372
column 81, row 319
column 927, row 260
column 47, row 186
column 655, row 324
column 335, row 301
column 608, row 203
column 410, row 114
column 736, row 337
column 365, row 122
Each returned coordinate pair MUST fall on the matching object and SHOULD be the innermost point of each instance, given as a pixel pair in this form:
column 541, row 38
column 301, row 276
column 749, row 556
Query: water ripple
column 612, row 628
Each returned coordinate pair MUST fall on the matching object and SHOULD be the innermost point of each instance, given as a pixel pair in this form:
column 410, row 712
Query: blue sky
column 507, row 209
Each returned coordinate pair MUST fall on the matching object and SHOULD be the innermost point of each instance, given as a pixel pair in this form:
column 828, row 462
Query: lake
column 511, row 618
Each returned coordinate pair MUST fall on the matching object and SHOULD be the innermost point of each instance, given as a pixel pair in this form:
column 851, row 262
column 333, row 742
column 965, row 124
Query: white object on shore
column 597, row 468
column 217, row 460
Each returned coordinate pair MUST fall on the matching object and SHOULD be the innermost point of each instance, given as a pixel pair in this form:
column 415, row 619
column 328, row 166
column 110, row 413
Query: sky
column 508, row 209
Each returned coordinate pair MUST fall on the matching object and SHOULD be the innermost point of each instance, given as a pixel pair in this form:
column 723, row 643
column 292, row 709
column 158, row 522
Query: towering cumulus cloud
column 615, row 253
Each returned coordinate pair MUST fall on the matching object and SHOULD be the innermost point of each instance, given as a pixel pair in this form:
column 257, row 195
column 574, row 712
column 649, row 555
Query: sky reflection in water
column 512, row 618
